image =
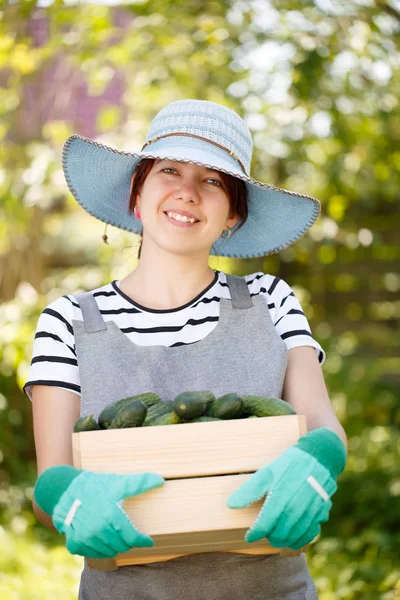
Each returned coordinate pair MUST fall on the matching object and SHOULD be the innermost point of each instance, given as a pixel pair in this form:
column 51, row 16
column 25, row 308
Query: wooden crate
column 202, row 464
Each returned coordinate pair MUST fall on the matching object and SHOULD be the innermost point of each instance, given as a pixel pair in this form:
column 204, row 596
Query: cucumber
column 148, row 398
column 131, row 415
column 85, row 424
column 169, row 418
column 230, row 406
column 190, row 405
column 266, row 407
column 110, row 411
column 159, row 409
column 204, row 419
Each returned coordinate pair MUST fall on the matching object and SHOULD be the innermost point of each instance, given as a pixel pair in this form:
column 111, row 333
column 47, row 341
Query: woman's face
column 174, row 187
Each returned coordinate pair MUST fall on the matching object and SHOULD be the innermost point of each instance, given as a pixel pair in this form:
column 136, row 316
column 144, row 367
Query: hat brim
column 99, row 177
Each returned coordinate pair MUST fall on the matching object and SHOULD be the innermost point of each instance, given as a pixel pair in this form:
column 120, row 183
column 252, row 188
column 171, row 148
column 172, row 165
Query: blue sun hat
column 203, row 133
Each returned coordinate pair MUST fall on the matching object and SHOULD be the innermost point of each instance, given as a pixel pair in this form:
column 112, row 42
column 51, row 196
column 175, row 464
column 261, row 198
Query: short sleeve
column 54, row 361
column 290, row 320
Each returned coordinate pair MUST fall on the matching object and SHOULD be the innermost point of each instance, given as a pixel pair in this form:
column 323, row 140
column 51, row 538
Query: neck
column 167, row 281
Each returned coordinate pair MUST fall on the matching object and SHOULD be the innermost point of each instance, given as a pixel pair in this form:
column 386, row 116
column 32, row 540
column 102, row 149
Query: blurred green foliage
column 318, row 84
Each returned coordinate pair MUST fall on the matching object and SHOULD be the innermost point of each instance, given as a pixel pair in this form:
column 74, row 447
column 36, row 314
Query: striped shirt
column 54, row 360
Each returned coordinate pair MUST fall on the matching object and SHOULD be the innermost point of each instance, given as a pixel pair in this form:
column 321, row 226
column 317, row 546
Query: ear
column 233, row 221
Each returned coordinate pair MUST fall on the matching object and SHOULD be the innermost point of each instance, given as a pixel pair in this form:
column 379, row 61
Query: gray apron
column 245, row 354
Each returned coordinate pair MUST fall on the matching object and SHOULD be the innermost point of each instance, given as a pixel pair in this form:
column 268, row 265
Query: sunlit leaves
column 109, row 118
column 317, row 83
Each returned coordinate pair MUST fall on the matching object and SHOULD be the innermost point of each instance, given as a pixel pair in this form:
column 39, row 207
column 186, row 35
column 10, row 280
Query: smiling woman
column 234, row 188
column 173, row 324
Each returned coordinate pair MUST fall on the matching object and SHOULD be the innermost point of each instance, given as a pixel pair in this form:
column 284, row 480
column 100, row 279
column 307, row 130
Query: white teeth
column 178, row 217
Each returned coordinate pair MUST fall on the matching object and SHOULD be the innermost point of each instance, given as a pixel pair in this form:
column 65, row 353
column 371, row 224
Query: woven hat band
column 155, row 139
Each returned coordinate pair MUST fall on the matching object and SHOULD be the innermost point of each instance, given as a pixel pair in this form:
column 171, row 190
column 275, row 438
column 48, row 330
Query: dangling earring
column 104, row 236
column 137, row 212
column 226, row 236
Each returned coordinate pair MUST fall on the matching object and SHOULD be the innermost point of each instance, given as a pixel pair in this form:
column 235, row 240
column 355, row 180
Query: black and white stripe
column 54, row 360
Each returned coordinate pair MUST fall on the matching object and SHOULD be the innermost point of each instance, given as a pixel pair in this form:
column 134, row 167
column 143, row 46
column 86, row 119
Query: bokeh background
column 318, row 84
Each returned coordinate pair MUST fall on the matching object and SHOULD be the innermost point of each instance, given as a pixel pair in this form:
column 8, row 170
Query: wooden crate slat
column 131, row 558
column 190, row 505
column 188, row 449
column 217, row 545
column 184, row 505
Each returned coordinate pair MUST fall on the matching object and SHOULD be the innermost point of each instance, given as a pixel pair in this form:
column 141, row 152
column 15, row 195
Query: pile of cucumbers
column 148, row 410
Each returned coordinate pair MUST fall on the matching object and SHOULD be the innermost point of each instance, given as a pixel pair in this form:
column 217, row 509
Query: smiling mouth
column 180, row 223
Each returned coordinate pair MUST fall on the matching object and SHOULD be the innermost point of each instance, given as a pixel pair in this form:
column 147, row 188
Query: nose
column 186, row 190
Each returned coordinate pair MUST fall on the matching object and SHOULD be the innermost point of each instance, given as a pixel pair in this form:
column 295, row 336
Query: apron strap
column 92, row 316
column 239, row 291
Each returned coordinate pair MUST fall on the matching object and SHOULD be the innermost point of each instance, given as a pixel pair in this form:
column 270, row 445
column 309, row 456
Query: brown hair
column 234, row 187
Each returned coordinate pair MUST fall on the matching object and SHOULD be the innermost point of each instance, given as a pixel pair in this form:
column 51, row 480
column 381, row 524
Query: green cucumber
column 266, row 407
column 159, row 409
column 190, row 405
column 131, row 415
column 110, row 411
column 230, row 406
column 148, row 398
column 169, row 418
column 85, row 424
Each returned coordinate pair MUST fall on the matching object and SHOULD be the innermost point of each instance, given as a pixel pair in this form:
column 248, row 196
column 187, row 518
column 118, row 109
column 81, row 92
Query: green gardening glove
column 87, row 508
column 298, row 485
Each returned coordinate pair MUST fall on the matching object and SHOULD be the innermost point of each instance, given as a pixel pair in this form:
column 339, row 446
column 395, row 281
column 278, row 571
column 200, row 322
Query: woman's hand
column 298, row 485
column 90, row 514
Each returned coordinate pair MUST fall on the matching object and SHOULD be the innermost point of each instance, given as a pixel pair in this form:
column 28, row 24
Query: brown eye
column 215, row 181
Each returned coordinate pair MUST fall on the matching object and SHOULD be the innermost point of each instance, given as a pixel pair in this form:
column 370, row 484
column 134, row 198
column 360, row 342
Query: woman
column 174, row 324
